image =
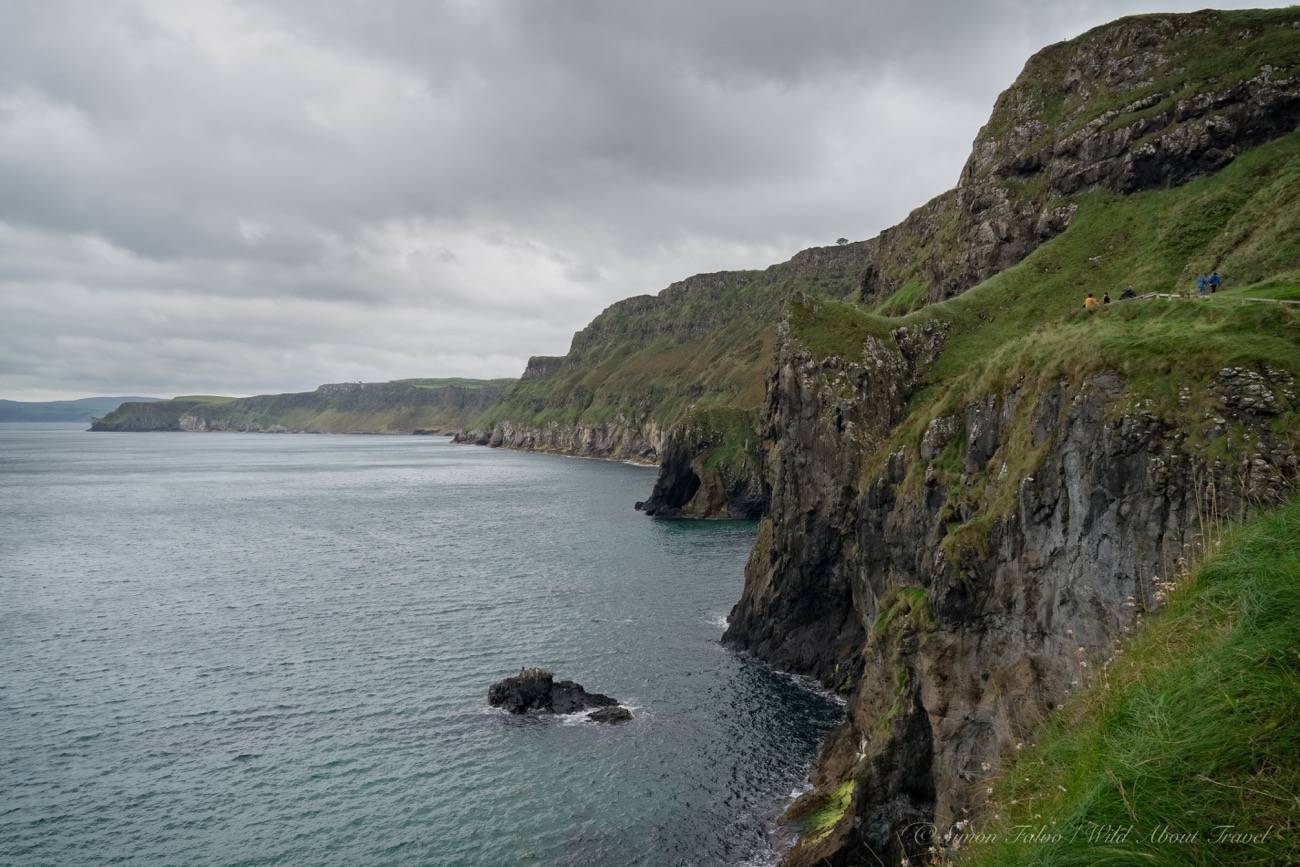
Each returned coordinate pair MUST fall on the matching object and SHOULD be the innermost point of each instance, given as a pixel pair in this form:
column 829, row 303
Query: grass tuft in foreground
column 820, row 821
column 1186, row 748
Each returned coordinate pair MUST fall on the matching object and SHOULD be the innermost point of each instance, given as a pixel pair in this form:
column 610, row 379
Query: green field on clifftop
column 1244, row 221
column 401, row 406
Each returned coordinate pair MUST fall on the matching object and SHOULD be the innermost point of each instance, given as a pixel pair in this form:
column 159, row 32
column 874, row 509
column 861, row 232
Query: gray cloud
column 262, row 196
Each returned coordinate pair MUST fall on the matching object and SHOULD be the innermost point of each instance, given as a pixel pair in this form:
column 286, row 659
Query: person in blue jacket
column 1201, row 282
column 1215, row 282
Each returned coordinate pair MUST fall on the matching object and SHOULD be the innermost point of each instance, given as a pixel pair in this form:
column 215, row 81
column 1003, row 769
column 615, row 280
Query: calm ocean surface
column 255, row 649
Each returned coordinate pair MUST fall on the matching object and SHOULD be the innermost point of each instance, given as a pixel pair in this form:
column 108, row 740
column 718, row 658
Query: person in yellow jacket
column 1090, row 303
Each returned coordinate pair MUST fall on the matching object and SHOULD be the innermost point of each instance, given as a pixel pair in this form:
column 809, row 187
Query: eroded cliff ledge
column 957, row 628
column 1140, row 103
column 971, row 504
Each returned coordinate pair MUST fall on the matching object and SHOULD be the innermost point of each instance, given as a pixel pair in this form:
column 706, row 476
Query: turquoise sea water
column 256, row 649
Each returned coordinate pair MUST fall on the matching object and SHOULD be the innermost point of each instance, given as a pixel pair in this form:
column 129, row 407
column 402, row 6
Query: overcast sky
column 254, row 197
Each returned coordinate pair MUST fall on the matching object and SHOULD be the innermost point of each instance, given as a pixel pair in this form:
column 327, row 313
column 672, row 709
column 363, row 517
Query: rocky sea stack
column 535, row 690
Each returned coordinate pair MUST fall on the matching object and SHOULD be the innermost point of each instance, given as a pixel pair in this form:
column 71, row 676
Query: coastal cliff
column 957, row 584
column 402, row 406
column 1143, row 103
column 670, row 375
column 972, row 502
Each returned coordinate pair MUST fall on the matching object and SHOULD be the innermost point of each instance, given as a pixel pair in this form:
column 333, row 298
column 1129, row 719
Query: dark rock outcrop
column 622, row 439
column 710, row 470
column 956, row 644
column 614, row 714
column 535, row 690
column 1113, row 110
column 798, row 610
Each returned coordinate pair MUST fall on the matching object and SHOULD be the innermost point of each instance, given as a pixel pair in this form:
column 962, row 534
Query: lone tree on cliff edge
column 841, row 241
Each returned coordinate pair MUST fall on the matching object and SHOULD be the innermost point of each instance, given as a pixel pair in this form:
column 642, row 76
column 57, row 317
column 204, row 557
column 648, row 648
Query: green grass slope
column 691, row 358
column 1025, row 328
column 701, row 343
column 1181, row 95
column 401, row 406
column 1143, row 102
column 1185, row 748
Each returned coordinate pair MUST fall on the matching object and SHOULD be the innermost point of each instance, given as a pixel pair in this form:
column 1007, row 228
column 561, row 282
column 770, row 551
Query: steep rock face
column 622, row 438
column 641, row 318
column 199, row 422
column 956, row 645
column 710, row 468
column 616, row 440
column 652, row 367
column 798, row 609
column 1144, row 102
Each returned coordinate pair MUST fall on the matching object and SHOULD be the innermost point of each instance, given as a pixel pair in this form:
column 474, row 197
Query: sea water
column 259, row 649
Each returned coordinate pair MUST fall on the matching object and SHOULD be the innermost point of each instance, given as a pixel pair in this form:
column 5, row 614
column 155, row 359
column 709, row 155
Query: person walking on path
column 1214, row 282
column 1201, row 283
column 1090, row 303
column 1105, row 298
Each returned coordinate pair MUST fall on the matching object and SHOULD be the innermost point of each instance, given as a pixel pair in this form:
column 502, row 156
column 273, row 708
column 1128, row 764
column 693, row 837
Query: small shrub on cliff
column 908, row 606
column 823, row 819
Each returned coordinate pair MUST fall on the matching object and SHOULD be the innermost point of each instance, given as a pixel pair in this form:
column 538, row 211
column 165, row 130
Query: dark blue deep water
column 256, row 649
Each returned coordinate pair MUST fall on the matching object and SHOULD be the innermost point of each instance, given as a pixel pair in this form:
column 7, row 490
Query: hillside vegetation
column 1021, row 477
column 976, row 485
column 402, row 406
column 680, row 372
column 1025, row 328
column 1142, row 104
column 1182, row 750
column 702, row 343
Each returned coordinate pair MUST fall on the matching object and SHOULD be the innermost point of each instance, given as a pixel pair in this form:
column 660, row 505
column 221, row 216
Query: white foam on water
column 579, row 717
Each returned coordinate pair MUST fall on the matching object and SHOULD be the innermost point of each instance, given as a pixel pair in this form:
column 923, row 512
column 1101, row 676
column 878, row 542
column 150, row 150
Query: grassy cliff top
column 701, row 343
column 458, row 382
column 392, row 385
column 1056, row 139
column 1131, row 69
column 1025, row 330
column 350, row 407
column 1027, row 323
